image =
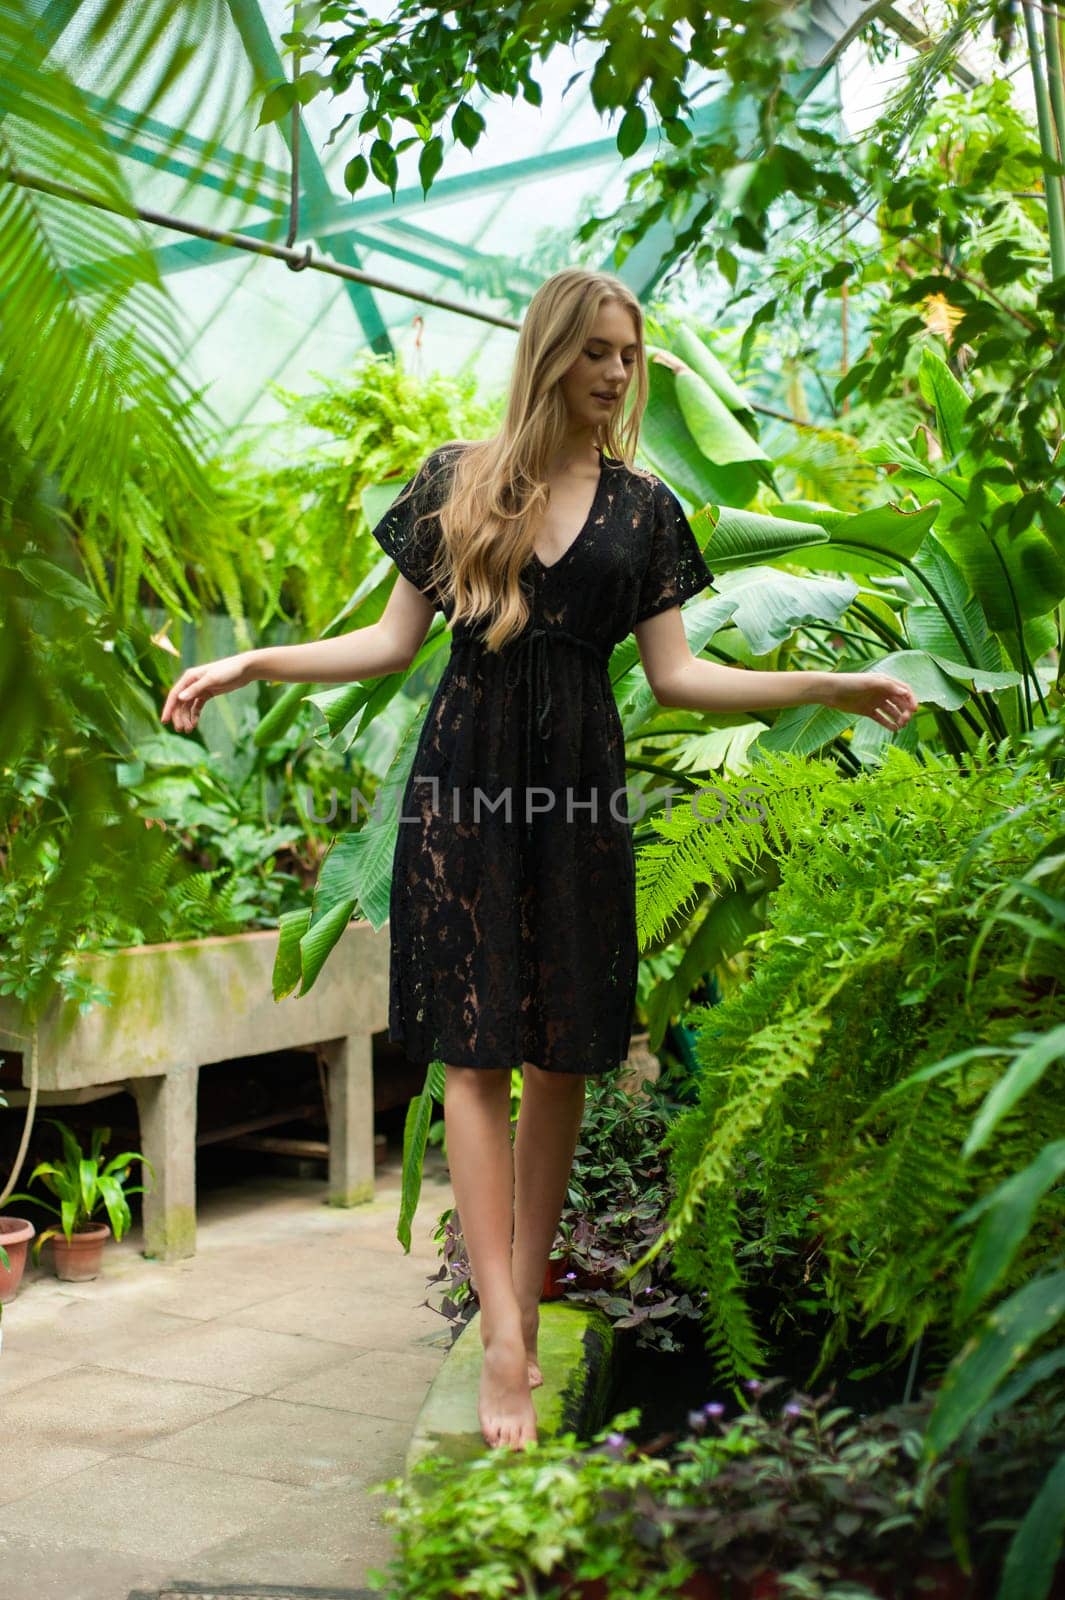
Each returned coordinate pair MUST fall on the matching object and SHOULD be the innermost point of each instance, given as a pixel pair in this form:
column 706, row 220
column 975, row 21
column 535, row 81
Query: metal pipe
column 242, row 241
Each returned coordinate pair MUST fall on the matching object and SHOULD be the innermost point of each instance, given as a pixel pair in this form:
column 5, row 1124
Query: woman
column 513, row 937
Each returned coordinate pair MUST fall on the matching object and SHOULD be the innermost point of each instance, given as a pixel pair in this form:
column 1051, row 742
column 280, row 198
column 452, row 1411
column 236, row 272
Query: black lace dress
column 513, row 918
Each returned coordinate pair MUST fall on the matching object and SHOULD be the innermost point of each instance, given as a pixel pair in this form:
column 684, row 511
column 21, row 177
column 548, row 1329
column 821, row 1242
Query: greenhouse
column 532, row 870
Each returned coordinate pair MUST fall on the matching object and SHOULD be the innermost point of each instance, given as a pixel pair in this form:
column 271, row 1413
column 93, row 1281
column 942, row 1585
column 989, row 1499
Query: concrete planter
column 179, row 1007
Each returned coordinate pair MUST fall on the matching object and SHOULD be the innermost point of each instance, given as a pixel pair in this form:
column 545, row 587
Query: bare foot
column 505, row 1409
column 530, row 1323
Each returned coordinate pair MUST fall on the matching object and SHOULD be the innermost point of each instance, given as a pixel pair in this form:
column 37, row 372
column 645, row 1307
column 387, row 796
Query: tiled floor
column 220, row 1420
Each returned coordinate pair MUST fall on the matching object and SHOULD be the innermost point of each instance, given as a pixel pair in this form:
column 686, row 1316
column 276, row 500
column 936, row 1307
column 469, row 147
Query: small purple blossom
column 793, row 1409
column 616, row 1441
column 752, row 1385
column 696, row 1421
column 713, row 1408
column 569, row 1274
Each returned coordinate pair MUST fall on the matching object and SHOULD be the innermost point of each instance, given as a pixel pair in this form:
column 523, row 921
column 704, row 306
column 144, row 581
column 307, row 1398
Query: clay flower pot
column 15, row 1236
column 78, row 1259
column 554, row 1288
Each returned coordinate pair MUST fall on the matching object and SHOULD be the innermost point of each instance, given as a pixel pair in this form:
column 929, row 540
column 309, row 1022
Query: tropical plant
column 807, row 1497
column 83, row 1187
column 1015, row 1348
column 805, row 1170
column 957, row 606
column 89, row 379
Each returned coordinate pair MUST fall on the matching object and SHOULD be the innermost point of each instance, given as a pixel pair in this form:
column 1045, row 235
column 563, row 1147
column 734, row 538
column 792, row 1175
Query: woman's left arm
column 679, row 680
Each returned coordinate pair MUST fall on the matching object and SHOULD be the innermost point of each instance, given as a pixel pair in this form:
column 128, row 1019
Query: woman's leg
column 480, row 1161
column 549, row 1123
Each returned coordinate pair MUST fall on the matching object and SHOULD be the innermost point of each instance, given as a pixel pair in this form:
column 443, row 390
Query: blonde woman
column 512, row 921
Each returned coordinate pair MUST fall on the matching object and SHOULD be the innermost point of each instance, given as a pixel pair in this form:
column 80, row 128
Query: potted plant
column 15, row 1235
column 82, row 1187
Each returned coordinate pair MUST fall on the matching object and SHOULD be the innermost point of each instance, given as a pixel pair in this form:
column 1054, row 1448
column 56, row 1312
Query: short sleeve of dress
column 676, row 569
column 409, row 531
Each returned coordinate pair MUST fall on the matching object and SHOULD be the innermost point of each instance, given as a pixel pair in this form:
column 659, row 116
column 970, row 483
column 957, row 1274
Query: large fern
column 799, row 1146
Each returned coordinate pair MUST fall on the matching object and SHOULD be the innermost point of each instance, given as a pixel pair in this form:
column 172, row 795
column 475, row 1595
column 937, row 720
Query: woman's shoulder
column 445, row 454
column 647, row 486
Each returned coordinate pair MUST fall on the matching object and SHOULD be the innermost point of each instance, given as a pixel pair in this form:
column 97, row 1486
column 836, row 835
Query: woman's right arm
column 388, row 645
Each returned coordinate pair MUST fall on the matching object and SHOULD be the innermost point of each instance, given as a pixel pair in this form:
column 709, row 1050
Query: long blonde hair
column 499, row 484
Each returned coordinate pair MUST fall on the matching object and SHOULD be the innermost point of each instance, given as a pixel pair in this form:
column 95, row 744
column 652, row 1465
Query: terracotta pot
column 15, row 1236
column 943, row 1580
column 640, row 1065
column 554, row 1288
column 79, row 1260
column 765, row 1587
column 701, row 1586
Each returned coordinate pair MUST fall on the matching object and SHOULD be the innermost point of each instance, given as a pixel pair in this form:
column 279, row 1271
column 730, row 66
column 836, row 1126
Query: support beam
column 351, row 1156
column 266, row 63
column 166, row 1107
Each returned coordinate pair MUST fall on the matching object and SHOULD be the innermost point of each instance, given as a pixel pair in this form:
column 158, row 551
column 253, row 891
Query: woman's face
column 594, row 387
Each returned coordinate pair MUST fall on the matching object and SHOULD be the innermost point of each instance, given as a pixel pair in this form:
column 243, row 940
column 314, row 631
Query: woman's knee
column 487, row 1081
column 557, row 1083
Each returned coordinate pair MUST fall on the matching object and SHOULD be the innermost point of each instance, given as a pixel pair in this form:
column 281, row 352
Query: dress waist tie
column 529, row 660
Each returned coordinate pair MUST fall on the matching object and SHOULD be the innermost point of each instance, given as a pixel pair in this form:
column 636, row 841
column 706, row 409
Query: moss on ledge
column 576, row 1347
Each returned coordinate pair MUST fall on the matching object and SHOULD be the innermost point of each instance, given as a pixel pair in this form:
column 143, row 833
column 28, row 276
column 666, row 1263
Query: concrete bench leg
column 166, row 1107
column 351, row 1165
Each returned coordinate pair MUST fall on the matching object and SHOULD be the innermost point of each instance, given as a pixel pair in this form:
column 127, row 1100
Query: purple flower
column 752, row 1385
column 616, row 1441
column 793, row 1409
column 713, row 1408
column 569, row 1274
column 696, row 1421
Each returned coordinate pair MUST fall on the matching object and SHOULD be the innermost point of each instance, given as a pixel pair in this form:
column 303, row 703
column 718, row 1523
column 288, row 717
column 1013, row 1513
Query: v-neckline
column 579, row 535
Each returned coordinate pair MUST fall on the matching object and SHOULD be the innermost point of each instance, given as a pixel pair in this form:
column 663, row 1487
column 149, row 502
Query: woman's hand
column 197, row 685
column 887, row 700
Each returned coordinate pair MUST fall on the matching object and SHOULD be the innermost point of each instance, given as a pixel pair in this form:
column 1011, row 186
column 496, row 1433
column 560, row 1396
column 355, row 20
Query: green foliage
column 70, row 838
column 90, row 383
column 216, row 850
column 92, row 396
column 378, row 423
column 421, row 67
column 955, row 263
column 807, row 1165
column 809, row 1491
column 1015, row 1348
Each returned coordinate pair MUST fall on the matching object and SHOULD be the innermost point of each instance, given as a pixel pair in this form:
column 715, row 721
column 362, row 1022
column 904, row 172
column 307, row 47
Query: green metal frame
column 341, row 226
column 265, row 61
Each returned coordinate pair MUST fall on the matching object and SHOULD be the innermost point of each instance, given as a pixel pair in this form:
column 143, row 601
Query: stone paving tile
column 48, row 1569
column 127, row 1504
column 20, row 1367
column 175, row 1383
column 376, row 1383
column 69, row 1326
column 246, row 1359
column 344, row 1315
column 107, row 1411
column 338, row 1539
column 24, row 1466
column 287, row 1442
